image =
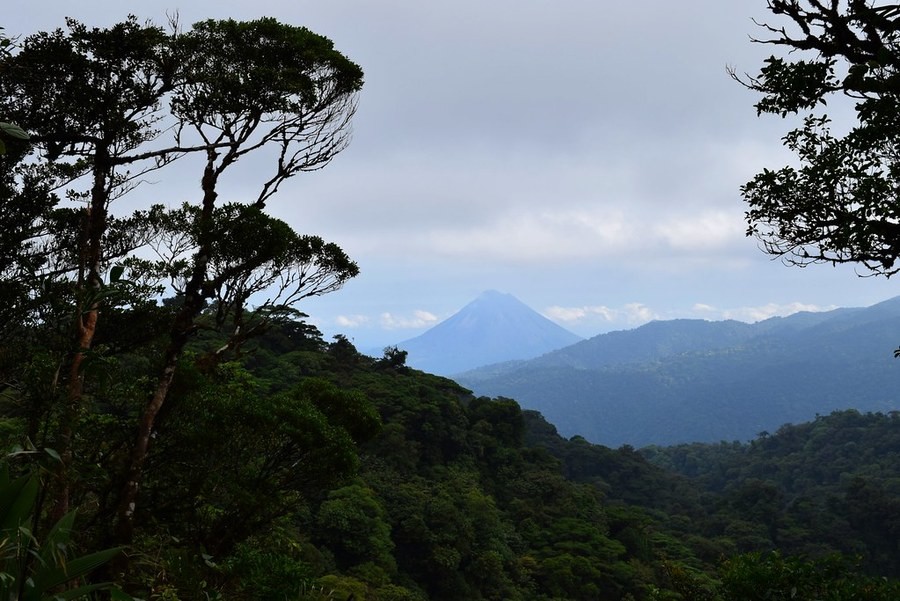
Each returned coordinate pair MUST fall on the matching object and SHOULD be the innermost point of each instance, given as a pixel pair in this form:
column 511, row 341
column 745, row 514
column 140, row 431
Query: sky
column 585, row 157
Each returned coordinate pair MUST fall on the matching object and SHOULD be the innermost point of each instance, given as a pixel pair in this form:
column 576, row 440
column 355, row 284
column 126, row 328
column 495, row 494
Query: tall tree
column 105, row 107
column 247, row 87
column 91, row 98
column 838, row 204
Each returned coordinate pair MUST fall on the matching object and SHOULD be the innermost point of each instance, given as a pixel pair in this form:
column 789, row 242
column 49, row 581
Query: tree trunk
column 182, row 328
column 87, row 314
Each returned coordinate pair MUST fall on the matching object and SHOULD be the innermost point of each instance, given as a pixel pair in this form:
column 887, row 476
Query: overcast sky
column 583, row 156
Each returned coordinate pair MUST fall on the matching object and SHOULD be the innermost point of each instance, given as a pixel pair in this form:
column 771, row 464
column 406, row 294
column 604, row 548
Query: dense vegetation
column 300, row 466
column 814, row 488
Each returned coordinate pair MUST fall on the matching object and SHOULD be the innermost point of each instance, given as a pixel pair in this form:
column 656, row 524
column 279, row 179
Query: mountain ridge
column 697, row 381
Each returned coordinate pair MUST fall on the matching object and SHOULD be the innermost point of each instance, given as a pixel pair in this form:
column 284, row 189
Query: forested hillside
column 830, row 484
column 649, row 385
column 257, row 490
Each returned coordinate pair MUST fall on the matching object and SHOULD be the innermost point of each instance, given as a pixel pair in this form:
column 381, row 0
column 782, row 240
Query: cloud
column 495, row 207
column 757, row 312
column 639, row 313
column 766, row 311
column 704, row 232
column 704, row 308
column 635, row 314
column 351, row 321
column 575, row 314
column 419, row 319
column 534, row 236
column 631, row 313
column 508, row 217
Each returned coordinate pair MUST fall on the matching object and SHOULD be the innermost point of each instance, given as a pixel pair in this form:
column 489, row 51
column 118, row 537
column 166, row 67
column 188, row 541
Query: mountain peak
column 494, row 327
column 496, row 295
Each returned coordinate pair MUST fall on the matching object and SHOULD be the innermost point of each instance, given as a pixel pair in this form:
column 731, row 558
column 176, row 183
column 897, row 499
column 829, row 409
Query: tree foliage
column 104, row 107
column 837, row 204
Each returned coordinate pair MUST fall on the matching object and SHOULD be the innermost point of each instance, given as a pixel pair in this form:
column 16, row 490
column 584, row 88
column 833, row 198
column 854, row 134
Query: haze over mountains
column 494, row 327
column 693, row 380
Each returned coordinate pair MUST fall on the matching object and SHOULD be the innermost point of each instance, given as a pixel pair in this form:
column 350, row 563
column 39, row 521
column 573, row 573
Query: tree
column 353, row 524
column 774, row 577
column 89, row 118
column 243, row 459
column 249, row 86
column 839, row 203
column 104, row 107
column 393, row 358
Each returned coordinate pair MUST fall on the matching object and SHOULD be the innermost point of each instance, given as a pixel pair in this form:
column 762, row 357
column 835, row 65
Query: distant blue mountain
column 698, row 381
column 495, row 327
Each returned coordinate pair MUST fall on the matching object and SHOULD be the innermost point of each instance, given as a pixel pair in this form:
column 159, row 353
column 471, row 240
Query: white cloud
column 351, row 321
column 771, row 310
column 635, row 314
column 639, row 313
column 498, row 207
column 758, row 312
column 704, row 308
column 565, row 313
column 631, row 313
column 535, row 236
column 419, row 319
column 706, row 231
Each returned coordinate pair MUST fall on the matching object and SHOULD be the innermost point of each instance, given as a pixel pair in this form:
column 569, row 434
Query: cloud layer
column 584, row 156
